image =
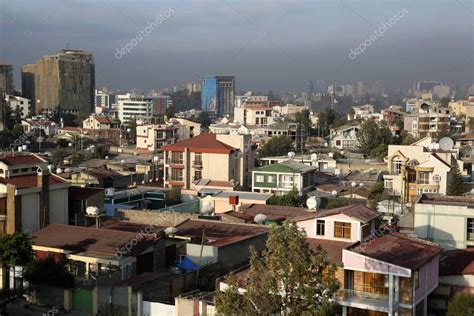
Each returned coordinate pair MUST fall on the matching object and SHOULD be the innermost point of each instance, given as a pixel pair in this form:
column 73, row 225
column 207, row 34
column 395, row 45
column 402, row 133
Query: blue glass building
column 217, row 94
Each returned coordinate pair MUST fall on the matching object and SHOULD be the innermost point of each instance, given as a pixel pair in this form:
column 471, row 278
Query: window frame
column 342, row 229
column 320, row 227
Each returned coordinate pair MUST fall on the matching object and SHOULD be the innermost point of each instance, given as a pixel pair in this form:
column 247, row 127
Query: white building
column 344, row 137
column 133, row 106
column 23, row 104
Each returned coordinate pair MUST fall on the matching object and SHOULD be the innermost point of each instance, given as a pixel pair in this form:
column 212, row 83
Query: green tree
column 276, row 146
column 57, row 156
column 289, row 199
column 288, row 278
column 461, row 305
column 204, row 119
column 367, row 136
column 456, row 184
column 327, row 119
column 444, row 101
column 16, row 250
column 49, row 272
column 302, row 118
column 169, row 112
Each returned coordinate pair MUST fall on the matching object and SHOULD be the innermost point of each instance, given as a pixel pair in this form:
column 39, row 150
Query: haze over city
column 266, row 45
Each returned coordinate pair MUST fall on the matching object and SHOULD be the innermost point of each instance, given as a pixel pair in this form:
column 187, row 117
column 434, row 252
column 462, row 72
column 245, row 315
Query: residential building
column 322, row 162
column 274, row 214
column 132, row 106
column 389, row 275
column 430, row 121
column 283, row 177
column 254, row 115
column 446, row 220
column 100, row 122
column 217, row 94
column 64, row 81
column 6, row 79
column 363, row 112
column 95, row 251
column 416, row 169
column 224, row 201
column 23, row 105
column 344, row 137
column 201, row 157
column 241, row 100
column 456, row 271
column 30, row 196
column 40, row 127
column 104, row 99
column 393, row 115
column 153, row 137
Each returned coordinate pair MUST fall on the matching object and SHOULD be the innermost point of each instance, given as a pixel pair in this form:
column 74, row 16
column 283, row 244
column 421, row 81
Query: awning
column 187, row 264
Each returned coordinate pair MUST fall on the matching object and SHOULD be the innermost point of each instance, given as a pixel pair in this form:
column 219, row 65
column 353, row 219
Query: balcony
column 197, row 163
column 355, row 298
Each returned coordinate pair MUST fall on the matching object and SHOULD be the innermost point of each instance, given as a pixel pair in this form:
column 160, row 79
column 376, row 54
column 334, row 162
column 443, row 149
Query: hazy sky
column 267, row 44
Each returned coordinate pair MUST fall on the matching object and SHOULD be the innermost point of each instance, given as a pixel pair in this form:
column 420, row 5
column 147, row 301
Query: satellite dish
column 170, row 231
column 92, row 210
column 59, row 170
column 314, row 157
column 291, row 155
column 312, row 203
column 446, row 143
column 207, row 209
column 260, row 218
column 425, row 107
column 334, row 192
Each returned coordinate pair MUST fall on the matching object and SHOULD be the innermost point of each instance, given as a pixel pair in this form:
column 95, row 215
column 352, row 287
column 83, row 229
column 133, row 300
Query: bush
column 461, row 305
column 49, row 272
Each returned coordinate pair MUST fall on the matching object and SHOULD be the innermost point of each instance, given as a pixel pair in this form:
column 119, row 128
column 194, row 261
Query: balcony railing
column 374, row 299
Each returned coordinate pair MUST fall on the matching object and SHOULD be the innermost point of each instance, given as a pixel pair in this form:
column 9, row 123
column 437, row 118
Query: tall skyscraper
column 65, row 80
column 6, row 79
column 217, row 94
column 309, row 92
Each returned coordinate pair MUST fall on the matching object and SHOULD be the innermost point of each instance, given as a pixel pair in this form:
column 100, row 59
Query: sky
column 266, row 44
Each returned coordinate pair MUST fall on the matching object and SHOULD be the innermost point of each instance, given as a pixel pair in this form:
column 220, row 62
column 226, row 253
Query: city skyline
column 277, row 49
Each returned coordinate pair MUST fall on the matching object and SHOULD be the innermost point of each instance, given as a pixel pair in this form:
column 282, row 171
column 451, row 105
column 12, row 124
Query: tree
column 204, row 119
column 49, row 272
column 288, row 278
column 16, row 250
column 303, row 119
column 327, row 118
column 169, row 112
column 276, row 146
column 456, row 184
column 461, row 305
column 289, row 199
column 444, row 101
column 372, row 136
column 57, row 156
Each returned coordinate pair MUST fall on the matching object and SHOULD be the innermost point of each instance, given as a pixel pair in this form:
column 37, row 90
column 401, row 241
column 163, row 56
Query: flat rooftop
column 438, row 199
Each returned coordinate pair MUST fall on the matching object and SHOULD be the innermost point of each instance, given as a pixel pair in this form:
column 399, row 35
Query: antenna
column 446, row 143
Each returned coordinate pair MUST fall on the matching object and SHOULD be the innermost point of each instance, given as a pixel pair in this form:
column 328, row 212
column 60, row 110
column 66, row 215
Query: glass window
column 259, row 179
column 397, row 166
column 423, row 177
column 320, row 225
column 470, row 229
column 270, row 179
column 342, row 230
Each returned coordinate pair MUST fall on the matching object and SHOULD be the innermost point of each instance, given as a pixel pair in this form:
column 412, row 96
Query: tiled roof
column 457, row 262
column 333, row 248
column 21, row 159
column 89, row 239
column 398, row 249
column 30, row 181
column 219, row 233
column 204, row 143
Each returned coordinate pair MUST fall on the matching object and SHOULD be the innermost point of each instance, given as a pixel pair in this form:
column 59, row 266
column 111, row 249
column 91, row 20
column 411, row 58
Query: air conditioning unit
column 437, row 178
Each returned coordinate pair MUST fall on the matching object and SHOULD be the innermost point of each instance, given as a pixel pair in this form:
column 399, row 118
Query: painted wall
column 428, row 278
column 358, row 262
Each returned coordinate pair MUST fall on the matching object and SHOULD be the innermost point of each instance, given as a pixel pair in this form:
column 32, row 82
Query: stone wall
column 158, row 218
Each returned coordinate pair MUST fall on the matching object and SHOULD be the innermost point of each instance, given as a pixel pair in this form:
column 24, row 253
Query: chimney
column 43, row 183
column 13, row 210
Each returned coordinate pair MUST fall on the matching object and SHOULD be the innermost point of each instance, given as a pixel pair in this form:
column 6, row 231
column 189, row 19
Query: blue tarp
column 187, row 264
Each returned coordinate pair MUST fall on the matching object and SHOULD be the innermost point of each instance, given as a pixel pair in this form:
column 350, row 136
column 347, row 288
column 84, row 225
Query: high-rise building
column 309, row 93
column 104, row 99
column 64, row 81
column 6, row 79
column 217, row 94
column 134, row 106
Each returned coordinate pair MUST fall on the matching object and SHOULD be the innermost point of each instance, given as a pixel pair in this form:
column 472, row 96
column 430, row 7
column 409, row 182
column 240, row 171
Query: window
column 375, row 283
column 397, row 166
column 342, row 230
column 176, row 175
column 270, row 179
column 197, row 175
column 423, row 177
column 259, row 178
column 320, row 227
column 470, row 229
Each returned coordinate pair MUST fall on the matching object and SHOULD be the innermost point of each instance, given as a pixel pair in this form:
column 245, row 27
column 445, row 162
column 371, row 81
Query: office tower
column 362, row 88
column 104, row 99
column 6, row 79
column 309, row 92
column 64, row 81
column 133, row 106
column 217, row 94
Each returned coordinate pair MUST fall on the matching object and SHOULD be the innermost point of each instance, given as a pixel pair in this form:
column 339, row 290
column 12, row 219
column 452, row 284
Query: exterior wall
column 237, row 254
column 443, row 224
column 466, row 280
column 310, row 227
column 357, row 262
column 222, row 204
column 164, row 218
column 209, row 253
column 428, row 279
column 245, row 158
column 59, row 206
column 30, row 213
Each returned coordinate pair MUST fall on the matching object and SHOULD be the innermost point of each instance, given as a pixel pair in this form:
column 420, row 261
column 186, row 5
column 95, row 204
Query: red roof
column 398, row 249
column 333, row 248
column 457, row 262
column 30, row 181
column 21, row 159
column 92, row 240
column 203, row 143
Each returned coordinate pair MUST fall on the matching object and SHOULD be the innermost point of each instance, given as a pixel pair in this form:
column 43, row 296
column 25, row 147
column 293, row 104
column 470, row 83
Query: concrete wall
column 209, row 253
column 237, row 254
column 58, row 206
column 155, row 217
column 443, row 224
column 155, row 308
column 357, row 262
column 428, row 278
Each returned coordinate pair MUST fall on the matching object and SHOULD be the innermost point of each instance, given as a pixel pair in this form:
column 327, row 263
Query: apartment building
column 344, row 137
column 100, row 122
column 430, row 121
column 23, row 105
column 30, row 196
column 282, row 177
column 446, row 220
column 417, row 168
column 201, row 158
column 154, row 136
column 133, row 106
column 254, row 115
